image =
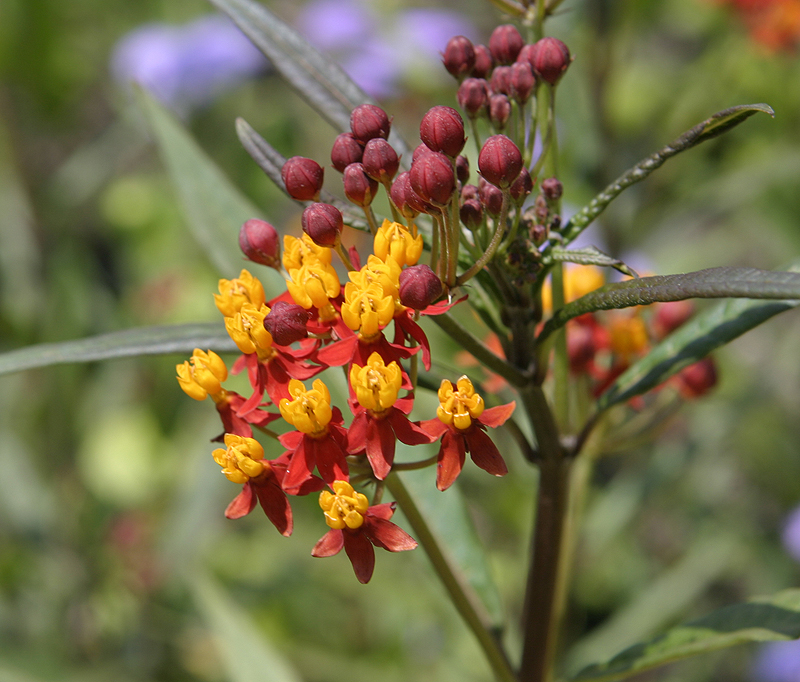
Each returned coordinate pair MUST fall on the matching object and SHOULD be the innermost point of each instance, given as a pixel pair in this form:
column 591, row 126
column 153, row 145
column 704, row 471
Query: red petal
column 357, row 435
column 329, row 544
column 301, row 465
column 388, row 535
column 275, row 505
column 382, row 511
column 484, row 452
column 496, row 416
column 436, row 427
column 361, row 554
column 329, row 457
column 441, row 307
column 412, row 329
column 355, row 259
column 242, row 504
column 380, row 447
column 451, row 459
column 408, row 432
column 339, row 353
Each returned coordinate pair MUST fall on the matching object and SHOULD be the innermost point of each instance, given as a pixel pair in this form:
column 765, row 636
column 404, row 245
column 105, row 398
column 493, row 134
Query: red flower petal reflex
column 452, row 454
column 242, row 504
column 361, row 554
column 380, row 447
column 385, row 534
column 407, row 431
column 274, row 503
column 497, row 416
column 329, row 544
column 484, row 452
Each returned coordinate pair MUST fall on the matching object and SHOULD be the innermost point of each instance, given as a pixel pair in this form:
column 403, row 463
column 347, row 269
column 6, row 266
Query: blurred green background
column 115, row 559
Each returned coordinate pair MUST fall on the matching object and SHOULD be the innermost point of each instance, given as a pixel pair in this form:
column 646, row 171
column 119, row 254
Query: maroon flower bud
column 433, row 179
column 473, row 96
column 302, row 178
column 697, row 379
column 552, row 189
column 522, row 186
column 499, row 110
column 380, row 160
column 286, row 322
column 491, row 198
column 539, row 234
column 484, row 62
column 469, row 192
column 500, row 161
column 522, row 81
column 669, row 316
column 471, row 213
column 526, row 53
column 345, row 150
column 419, row 287
column 358, row 186
column 323, row 223
column 259, row 242
column 550, row 59
column 368, row 121
column 581, row 347
column 500, row 82
column 458, row 56
column 419, row 151
column 442, row 130
column 462, row 169
column 399, row 193
column 505, row 43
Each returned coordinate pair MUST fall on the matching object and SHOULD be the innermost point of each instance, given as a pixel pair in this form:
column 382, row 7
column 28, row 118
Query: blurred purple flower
column 791, row 534
column 186, row 66
column 777, row 662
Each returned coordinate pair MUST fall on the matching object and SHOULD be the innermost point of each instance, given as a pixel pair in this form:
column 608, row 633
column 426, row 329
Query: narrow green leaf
column 589, row 255
column 756, row 621
column 719, row 123
column 725, row 282
column 214, row 208
column 246, row 653
column 131, row 342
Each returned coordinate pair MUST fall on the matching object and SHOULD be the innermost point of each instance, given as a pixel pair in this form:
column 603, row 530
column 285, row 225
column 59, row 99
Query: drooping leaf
column 246, row 653
column 589, row 255
column 725, row 282
column 756, row 621
column 214, row 208
column 131, row 342
column 719, row 123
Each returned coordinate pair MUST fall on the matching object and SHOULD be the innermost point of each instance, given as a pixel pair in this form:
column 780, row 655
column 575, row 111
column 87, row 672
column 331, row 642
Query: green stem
column 561, row 367
column 411, row 466
column 373, row 227
column 497, row 238
column 462, row 595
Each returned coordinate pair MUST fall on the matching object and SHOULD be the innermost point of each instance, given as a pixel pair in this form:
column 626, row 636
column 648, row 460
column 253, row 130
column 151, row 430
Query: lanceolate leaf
column 589, row 255
column 214, row 208
column 719, row 123
column 141, row 341
column 756, row 621
column 726, row 282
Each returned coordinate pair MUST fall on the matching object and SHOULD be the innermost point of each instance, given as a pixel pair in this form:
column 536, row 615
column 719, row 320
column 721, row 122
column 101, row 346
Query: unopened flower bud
column 469, row 192
column 522, row 186
column 697, row 379
column 669, row 316
column 433, row 179
column 358, row 186
column 550, row 59
column 399, row 195
column 491, row 198
column 419, row 287
column 462, row 169
column 302, row 178
column 500, row 161
column 522, row 81
column 552, row 189
column 323, row 223
column 259, row 242
column 459, row 56
column 484, row 62
column 369, row 121
column 473, row 96
column 499, row 110
column 380, row 160
column 505, row 43
column 286, row 322
column 471, row 213
column 345, row 150
column 442, row 130
column 500, row 82
column 539, row 234
column 419, row 151
column 581, row 347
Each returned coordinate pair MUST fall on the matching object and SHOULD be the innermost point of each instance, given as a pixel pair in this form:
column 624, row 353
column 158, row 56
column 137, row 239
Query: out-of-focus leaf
column 719, row 123
column 589, row 255
column 214, row 208
column 725, row 282
column 182, row 338
column 246, row 653
column 757, row 621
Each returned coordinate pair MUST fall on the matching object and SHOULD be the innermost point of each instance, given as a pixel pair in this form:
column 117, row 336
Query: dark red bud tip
column 500, row 161
column 369, row 121
column 550, row 59
column 286, row 322
column 442, row 130
column 323, row 223
column 473, row 96
column 458, row 56
column 358, row 186
column 380, row 160
column 462, row 169
column 484, row 62
column 259, row 242
column 419, row 287
column 471, row 213
column 552, row 188
column 302, row 178
column 491, row 198
column 433, row 179
column 469, row 192
column 500, row 82
column 345, row 150
column 505, row 43
column 522, row 81
column 399, row 194
column 698, row 379
column 499, row 110
column 522, row 186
